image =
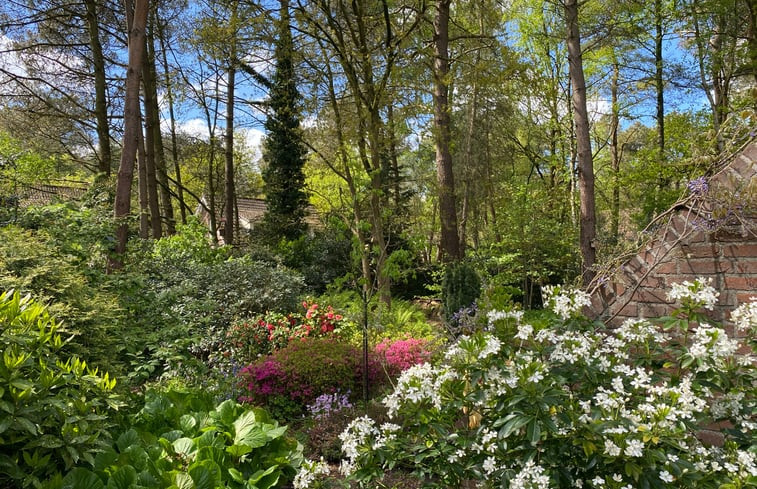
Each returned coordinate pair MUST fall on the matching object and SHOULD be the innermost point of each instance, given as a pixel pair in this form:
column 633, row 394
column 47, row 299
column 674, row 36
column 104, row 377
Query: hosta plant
column 54, row 408
column 227, row 446
column 574, row 404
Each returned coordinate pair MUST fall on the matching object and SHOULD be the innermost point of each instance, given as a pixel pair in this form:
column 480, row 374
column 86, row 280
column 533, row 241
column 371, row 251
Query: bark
column 151, row 106
column 144, row 209
column 101, row 102
column 449, row 239
column 587, row 221
column 228, row 230
column 132, row 125
column 161, row 174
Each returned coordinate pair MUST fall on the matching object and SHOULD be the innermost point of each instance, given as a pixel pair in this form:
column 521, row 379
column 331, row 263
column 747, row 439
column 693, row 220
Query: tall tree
column 584, row 155
column 284, row 151
column 450, row 240
column 136, row 14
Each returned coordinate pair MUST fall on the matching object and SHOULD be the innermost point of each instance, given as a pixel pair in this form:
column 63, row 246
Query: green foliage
column 461, row 287
column 284, row 150
column 53, row 409
column 321, row 256
column 57, row 253
column 179, row 440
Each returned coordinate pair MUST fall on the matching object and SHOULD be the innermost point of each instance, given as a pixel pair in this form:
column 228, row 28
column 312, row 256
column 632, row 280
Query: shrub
column 398, row 356
column 304, row 370
column 178, row 440
column 572, row 405
column 247, row 340
column 461, row 286
column 53, row 409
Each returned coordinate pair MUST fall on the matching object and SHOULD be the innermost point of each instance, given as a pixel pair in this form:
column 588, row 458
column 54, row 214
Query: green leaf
column 517, row 422
column 227, row 412
column 105, row 459
column 5, row 423
column 187, row 423
column 80, row 478
column 123, row 478
column 127, row 439
column 185, row 446
column 27, row 425
column 238, row 450
column 236, row 475
column 183, row 481
column 47, row 441
column 534, row 431
column 206, row 474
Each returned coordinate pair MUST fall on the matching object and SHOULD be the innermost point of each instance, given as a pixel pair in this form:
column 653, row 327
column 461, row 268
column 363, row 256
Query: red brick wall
column 696, row 238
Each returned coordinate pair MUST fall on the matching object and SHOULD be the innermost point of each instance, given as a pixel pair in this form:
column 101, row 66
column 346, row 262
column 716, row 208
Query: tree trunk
column 144, row 207
column 450, row 239
column 151, row 106
column 587, row 220
column 132, row 125
column 228, row 229
column 161, row 174
column 101, row 102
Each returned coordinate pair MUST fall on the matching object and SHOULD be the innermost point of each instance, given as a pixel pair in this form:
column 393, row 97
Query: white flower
column 699, row 293
column 309, row 471
column 611, row 448
column 531, row 476
column 565, row 303
column 489, row 465
column 634, row 448
column 744, row 317
column 665, row 476
column 524, row 331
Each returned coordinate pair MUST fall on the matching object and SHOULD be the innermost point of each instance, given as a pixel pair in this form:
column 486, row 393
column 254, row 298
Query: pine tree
column 283, row 150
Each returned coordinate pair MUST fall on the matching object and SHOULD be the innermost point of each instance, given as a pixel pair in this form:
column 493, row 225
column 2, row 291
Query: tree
column 284, row 151
column 450, row 240
column 136, row 14
column 583, row 142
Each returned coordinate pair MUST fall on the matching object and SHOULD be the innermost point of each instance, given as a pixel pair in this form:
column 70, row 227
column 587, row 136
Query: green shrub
column 179, row 440
column 461, row 287
column 53, row 410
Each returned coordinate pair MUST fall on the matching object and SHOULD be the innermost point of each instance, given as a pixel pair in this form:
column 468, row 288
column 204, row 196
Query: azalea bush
column 574, row 404
column 290, row 379
column 399, row 355
column 262, row 335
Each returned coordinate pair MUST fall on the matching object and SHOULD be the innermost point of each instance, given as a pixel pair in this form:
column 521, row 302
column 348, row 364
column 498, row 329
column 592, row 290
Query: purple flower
column 698, row 186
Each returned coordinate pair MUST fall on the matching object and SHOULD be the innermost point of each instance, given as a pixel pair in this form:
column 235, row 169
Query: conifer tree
column 283, row 150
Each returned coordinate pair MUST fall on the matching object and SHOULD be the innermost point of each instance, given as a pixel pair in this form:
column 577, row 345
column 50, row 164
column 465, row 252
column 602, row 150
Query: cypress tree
column 283, row 150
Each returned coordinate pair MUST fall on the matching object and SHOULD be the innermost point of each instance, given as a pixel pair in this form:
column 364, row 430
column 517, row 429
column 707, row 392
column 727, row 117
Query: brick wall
column 705, row 235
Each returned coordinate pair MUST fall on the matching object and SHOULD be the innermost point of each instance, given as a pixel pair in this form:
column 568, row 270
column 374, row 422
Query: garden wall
column 711, row 233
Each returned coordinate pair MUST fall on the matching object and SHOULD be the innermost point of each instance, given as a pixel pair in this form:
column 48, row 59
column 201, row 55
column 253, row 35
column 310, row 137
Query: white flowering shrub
column 574, row 404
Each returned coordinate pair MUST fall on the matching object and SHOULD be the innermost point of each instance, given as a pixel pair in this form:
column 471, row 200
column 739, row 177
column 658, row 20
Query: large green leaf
column 185, row 446
column 187, row 424
column 127, row 439
column 182, row 480
column 123, row 478
column 206, row 474
column 80, row 478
